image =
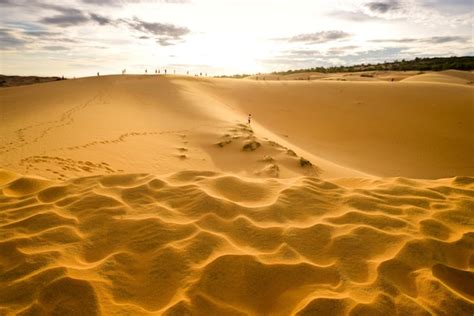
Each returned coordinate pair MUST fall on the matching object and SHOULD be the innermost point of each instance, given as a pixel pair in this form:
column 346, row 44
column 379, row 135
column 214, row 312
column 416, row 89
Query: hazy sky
column 81, row 37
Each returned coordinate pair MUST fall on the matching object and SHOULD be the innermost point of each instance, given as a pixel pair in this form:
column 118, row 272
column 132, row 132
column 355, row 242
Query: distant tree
column 417, row 64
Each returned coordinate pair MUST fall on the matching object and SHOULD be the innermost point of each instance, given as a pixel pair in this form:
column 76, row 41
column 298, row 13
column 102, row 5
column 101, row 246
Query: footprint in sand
column 182, row 151
column 66, row 164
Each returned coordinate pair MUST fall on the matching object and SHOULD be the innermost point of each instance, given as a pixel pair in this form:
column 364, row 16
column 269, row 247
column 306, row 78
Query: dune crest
column 187, row 243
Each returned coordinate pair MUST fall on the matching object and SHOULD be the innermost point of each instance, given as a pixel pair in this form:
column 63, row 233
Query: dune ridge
column 186, row 243
column 416, row 129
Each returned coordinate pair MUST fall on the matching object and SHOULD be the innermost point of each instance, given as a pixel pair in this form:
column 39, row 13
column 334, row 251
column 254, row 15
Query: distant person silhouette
column 146, row 70
column 165, row 71
column 249, row 119
column 97, row 74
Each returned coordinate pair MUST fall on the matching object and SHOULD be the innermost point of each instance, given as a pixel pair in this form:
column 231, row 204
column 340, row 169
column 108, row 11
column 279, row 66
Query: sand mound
column 164, row 124
column 449, row 76
column 206, row 243
column 410, row 129
column 344, row 76
column 466, row 75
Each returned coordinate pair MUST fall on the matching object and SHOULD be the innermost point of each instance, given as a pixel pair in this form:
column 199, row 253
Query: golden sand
column 136, row 195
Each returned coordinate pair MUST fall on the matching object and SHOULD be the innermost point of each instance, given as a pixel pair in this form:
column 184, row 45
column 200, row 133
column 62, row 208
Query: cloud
column 9, row 41
column 71, row 17
column 307, row 54
column 446, row 39
column 47, row 36
column 67, row 17
column 319, row 37
column 165, row 34
column 304, row 53
column 376, row 56
column 55, row 48
column 383, row 7
column 286, row 62
column 41, row 33
column 102, row 20
column 399, row 40
column 10, row 3
column 123, row 2
column 176, row 1
column 162, row 41
column 449, row 6
column 343, row 50
column 103, row 2
column 356, row 16
column 159, row 29
column 65, row 20
column 430, row 40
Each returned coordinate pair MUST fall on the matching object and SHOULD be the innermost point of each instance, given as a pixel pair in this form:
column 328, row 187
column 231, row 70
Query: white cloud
column 228, row 36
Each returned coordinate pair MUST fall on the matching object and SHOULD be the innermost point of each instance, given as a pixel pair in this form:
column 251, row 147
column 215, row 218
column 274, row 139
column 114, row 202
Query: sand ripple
column 205, row 243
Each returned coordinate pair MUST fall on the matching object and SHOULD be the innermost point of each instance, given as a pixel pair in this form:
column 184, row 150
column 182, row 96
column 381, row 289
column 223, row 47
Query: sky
column 77, row 38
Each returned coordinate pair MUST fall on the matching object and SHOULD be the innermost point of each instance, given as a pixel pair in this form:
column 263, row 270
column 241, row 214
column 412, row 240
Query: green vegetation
column 419, row 64
column 12, row 81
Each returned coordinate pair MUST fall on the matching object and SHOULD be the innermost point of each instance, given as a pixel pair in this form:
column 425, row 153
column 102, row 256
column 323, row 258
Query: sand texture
column 146, row 195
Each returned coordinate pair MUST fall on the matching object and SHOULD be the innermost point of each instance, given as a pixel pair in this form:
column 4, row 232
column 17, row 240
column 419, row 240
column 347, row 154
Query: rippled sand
column 188, row 243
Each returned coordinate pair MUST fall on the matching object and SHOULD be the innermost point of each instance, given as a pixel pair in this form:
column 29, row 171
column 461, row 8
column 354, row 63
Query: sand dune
column 139, row 195
column 355, row 76
column 419, row 130
column 206, row 243
column 449, row 76
column 412, row 129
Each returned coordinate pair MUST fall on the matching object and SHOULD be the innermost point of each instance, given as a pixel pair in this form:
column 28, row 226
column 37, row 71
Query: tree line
column 418, row 64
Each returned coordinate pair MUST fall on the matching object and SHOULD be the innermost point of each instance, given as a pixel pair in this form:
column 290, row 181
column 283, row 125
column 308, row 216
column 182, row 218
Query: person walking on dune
column 249, row 119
